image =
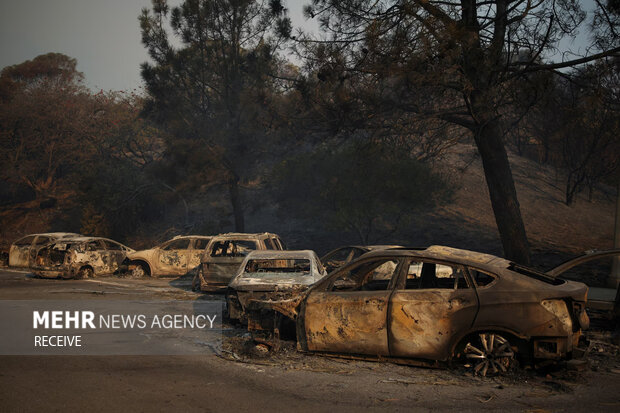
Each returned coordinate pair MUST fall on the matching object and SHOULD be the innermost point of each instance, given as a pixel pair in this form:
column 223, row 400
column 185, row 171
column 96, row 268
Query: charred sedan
column 80, row 257
column 23, row 251
column 437, row 304
column 177, row 256
column 272, row 275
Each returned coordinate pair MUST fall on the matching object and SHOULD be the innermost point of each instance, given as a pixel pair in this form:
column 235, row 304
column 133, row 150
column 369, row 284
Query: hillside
column 552, row 226
column 555, row 231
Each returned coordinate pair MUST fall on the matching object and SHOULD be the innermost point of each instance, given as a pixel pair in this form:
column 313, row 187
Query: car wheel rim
column 138, row 271
column 491, row 354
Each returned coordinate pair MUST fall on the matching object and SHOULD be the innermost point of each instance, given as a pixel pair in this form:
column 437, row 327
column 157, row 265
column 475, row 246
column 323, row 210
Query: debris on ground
column 557, row 378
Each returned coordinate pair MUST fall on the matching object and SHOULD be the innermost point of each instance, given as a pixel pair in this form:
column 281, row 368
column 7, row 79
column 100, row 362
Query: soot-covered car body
column 437, row 303
column 23, row 251
column 225, row 253
column 80, row 257
column 177, row 256
column 273, row 275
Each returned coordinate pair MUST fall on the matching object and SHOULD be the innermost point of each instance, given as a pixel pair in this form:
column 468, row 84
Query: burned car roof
column 244, row 235
column 282, row 254
column 487, row 262
column 55, row 234
column 83, row 238
column 440, row 252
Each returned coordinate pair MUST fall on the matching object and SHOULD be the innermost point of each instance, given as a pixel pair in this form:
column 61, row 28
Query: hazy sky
column 103, row 35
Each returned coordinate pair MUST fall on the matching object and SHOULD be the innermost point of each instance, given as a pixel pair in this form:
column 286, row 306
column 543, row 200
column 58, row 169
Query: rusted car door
column 115, row 255
column 197, row 249
column 39, row 243
column 173, row 257
column 349, row 314
column 93, row 253
column 515, row 309
column 431, row 304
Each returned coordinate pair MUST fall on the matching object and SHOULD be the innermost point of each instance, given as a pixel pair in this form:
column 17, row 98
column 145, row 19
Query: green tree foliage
column 213, row 91
column 364, row 188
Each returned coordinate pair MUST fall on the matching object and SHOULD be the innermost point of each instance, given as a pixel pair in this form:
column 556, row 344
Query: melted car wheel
column 85, row 272
column 489, row 354
column 138, row 271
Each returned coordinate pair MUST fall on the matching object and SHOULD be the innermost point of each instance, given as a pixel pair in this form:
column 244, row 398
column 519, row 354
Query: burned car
column 80, row 257
column 23, row 251
column 272, row 275
column 177, row 256
column 224, row 255
column 344, row 255
column 435, row 305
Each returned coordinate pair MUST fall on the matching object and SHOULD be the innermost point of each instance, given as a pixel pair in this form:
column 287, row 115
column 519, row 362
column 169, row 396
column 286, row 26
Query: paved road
column 285, row 380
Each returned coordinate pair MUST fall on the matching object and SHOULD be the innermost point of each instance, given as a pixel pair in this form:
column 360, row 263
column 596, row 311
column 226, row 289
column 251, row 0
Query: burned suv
column 224, row 255
column 80, row 257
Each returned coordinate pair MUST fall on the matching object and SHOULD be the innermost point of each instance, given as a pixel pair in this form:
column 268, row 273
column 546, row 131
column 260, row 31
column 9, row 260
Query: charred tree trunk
column 502, row 191
column 237, row 205
column 481, row 67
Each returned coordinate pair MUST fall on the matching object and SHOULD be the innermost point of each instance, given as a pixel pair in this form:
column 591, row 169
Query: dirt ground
column 239, row 375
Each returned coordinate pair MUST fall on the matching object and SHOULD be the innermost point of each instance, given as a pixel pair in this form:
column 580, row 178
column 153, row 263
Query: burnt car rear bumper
column 557, row 348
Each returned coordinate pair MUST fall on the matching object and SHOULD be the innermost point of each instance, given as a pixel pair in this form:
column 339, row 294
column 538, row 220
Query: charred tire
column 140, row 270
column 85, row 272
column 489, row 353
column 198, row 279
